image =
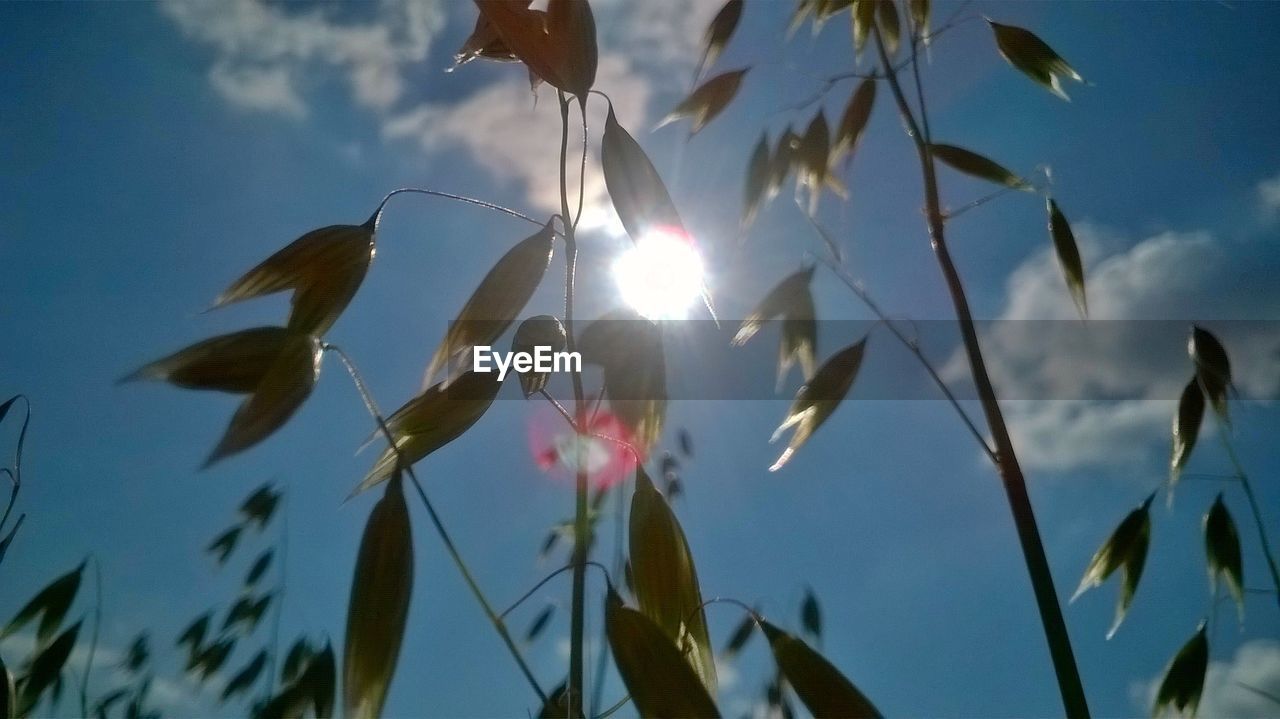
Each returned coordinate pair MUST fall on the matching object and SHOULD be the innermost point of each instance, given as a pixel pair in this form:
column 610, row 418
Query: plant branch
column 93, row 639
column 1055, row 628
column 459, row 198
column 1253, row 503
column 573, row 687
column 449, row 546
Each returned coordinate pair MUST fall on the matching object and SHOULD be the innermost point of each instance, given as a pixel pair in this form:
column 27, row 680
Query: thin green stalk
column 573, row 687
column 93, row 640
column 498, row 625
column 1253, row 505
column 1055, row 627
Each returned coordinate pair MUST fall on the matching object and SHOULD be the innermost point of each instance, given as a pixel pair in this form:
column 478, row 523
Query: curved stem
column 449, row 546
column 459, row 198
column 581, row 528
column 93, row 640
column 1253, row 504
column 1055, row 627
column 542, row 582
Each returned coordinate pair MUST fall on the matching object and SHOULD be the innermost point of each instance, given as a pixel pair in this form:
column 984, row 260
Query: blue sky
column 153, row 152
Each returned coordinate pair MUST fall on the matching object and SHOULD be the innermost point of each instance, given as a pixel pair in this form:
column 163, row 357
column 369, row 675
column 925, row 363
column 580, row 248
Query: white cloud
column 267, row 58
column 1055, row 366
column 1226, row 687
column 266, row 55
column 1269, row 196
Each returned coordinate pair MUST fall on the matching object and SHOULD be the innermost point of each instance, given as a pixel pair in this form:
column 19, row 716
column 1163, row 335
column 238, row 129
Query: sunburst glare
column 661, row 276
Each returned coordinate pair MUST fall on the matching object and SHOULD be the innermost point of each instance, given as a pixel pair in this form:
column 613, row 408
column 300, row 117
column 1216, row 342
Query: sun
column 661, row 276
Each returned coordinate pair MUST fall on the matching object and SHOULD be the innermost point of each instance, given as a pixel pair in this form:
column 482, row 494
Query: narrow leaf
column 1186, row 427
column 260, row 506
column 1213, row 367
column 738, row 639
column 853, row 122
column 890, row 29
column 324, row 268
column 707, row 101
column 380, row 593
column 1125, row 549
column 821, row 687
column 666, row 582
column 792, row 300
column 193, row 635
column 783, row 161
column 630, row 348
column 46, row 668
column 539, row 623
column 50, row 604
column 558, row 46
column 224, row 544
column 971, row 163
column 920, row 11
column 234, row 362
column 244, row 679
column 817, row 399
column 1183, row 680
column 1064, row 244
column 1222, row 552
column 1028, row 53
column 811, row 615
column 660, row 681
column 756, row 185
column 637, row 191
column 283, row 389
column 431, row 420
column 718, row 34
column 497, row 300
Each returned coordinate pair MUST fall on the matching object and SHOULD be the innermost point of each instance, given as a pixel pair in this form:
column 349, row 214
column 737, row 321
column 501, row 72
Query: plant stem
column 498, row 625
column 93, row 641
column 1055, row 627
column 1253, row 504
column 573, row 687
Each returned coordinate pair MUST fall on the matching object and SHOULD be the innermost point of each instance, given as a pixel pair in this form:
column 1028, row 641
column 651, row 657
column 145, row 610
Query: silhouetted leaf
column 46, row 668
column 821, row 687
column 497, row 300
column 637, row 191
column 738, row 639
column 259, row 568
column 260, row 506
column 319, row 682
column 708, row 100
column 660, row 681
column 1183, row 679
column 103, row 705
column 686, row 443
column 1186, row 427
column 971, row 163
column 431, row 420
column 244, row 679
column 811, row 158
column 890, row 29
column 13, row 531
column 756, row 186
column 484, row 42
column 1213, row 368
column 811, row 615
column 1125, row 549
column 558, row 46
column 718, row 34
column 863, row 15
column 50, row 604
column 246, row 612
column 193, row 636
column 324, row 268
column 283, row 389
column 212, row 657
column 8, row 692
column 234, row 362
column 224, row 544
column 539, row 623
column 666, row 582
column 138, row 655
column 1222, row 551
column 1064, row 244
column 792, row 300
column 296, row 660
column 920, row 11
column 380, row 593
column 783, row 161
column 1033, row 57
column 817, row 399
column 538, row 331
column 853, row 122
column 630, row 349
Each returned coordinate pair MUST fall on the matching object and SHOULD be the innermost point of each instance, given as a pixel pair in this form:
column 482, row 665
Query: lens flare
column 557, row 450
column 661, row 276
